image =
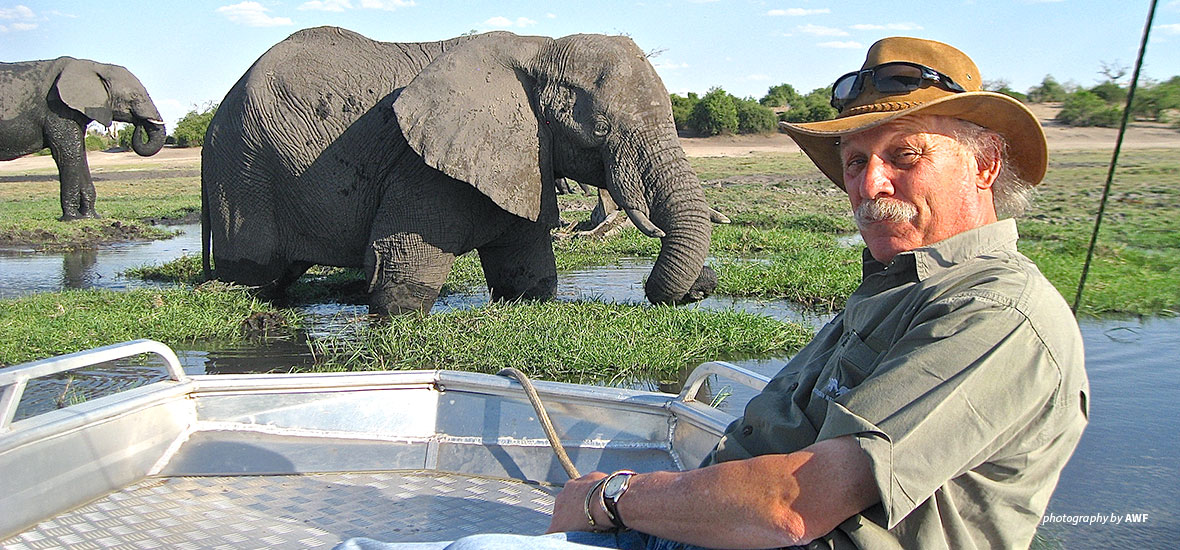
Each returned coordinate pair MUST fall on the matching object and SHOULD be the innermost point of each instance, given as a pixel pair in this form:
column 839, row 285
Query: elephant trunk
column 155, row 137
column 663, row 197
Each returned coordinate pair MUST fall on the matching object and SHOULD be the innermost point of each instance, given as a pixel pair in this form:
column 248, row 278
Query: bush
column 813, row 107
column 1085, row 108
column 714, row 114
column 753, row 118
column 783, row 95
column 1049, row 90
column 1110, row 92
column 1154, row 102
column 682, row 109
column 190, row 131
column 96, row 141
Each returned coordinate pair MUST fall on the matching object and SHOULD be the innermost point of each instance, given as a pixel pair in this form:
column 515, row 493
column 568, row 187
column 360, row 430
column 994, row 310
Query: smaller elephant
column 49, row 103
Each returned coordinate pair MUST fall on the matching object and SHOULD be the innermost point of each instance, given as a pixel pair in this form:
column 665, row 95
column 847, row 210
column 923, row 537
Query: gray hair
column 1011, row 195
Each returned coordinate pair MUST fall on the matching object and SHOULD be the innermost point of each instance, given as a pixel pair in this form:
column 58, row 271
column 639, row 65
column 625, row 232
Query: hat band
column 887, row 106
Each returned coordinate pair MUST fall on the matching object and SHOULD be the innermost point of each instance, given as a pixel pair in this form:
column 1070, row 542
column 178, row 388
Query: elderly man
column 938, row 409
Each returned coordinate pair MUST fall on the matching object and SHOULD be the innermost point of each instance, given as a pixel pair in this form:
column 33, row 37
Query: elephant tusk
column 717, row 217
column 644, row 224
column 156, row 122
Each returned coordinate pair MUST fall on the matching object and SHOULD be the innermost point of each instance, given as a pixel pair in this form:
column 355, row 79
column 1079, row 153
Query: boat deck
column 296, row 511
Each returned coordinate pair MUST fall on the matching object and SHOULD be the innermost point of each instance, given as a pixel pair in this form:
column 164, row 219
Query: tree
column 190, row 131
column 1049, row 90
column 783, row 95
column 1157, row 101
column 754, row 118
column 1085, row 108
column 1001, row 86
column 813, row 107
column 1110, row 92
column 714, row 114
column 682, row 109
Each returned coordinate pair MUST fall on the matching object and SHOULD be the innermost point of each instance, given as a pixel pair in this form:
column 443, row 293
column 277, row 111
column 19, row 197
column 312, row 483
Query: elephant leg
column 520, row 264
column 405, row 274
column 277, row 288
column 67, row 143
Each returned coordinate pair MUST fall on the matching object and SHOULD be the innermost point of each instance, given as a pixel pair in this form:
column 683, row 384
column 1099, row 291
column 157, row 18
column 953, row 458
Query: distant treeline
column 719, row 112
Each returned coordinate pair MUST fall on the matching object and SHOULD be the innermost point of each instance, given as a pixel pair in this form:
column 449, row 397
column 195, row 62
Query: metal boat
column 308, row 460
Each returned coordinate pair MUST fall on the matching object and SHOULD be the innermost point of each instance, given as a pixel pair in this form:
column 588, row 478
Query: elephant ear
column 82, row 89
column 469, row 115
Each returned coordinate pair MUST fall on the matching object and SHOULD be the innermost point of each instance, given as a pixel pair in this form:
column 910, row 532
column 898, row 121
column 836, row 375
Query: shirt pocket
column 853, row 361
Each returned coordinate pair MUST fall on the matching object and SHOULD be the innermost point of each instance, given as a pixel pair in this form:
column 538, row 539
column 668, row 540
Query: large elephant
column 335, row 149
column 49, row 104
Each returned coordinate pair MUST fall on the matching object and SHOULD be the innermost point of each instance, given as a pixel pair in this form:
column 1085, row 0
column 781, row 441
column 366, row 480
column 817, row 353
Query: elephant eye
column 601, row 126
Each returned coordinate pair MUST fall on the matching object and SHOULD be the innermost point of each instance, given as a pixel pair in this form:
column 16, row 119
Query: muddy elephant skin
column 49, row 104
column 338, row 150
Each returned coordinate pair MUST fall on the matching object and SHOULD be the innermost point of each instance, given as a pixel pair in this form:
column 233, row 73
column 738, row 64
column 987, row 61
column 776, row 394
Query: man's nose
column 876, row 180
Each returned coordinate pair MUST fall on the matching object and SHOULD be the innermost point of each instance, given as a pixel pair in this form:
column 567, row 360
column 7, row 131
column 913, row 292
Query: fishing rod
column 1118, row 144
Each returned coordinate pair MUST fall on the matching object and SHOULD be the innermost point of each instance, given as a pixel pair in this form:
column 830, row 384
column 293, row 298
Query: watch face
column 614, row 486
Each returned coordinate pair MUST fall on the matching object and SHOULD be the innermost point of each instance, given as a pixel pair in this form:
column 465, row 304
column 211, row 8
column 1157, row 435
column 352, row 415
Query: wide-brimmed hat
column 1027, row 150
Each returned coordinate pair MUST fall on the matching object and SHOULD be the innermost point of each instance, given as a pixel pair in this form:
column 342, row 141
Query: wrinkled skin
column 337, row 150
column 49, row 103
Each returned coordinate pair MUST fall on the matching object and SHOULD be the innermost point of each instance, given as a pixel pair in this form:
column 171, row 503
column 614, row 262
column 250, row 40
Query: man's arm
column 761, row 502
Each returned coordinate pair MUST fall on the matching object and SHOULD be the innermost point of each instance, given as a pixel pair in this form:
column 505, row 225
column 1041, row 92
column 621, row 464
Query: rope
column 1118, row 144
column 543, row 416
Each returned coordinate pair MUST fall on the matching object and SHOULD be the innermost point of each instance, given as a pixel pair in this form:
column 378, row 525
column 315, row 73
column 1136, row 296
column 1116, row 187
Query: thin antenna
column 1118, row 144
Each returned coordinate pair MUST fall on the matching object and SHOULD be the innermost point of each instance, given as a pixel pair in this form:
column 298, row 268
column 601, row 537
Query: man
column 938, row 409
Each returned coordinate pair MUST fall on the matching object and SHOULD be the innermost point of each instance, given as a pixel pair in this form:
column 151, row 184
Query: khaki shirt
column 959, row 370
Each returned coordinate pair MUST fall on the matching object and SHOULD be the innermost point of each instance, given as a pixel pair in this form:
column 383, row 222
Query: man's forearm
column 762, row 502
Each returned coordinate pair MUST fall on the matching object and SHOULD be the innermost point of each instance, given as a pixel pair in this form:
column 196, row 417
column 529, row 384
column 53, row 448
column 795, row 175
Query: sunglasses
column 897, row 77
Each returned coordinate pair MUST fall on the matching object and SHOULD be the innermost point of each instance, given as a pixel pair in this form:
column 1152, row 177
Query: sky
column 189, row 53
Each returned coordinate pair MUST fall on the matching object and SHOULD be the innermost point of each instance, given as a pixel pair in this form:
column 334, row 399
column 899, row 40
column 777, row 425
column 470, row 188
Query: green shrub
column 96, row 141
column 1154, row 102
column 714, row 114
column 783, row 95
column 1085, row 108
column 753, row 118
column 814, row 107
column 1110, row 92
column 190, row 130
column 682, row 109
column 1049, row 90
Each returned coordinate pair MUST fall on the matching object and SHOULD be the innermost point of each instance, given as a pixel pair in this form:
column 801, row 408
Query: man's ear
column 988, row 165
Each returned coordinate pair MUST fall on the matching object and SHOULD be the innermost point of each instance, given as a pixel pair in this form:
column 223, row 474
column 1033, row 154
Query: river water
column 1119, row 490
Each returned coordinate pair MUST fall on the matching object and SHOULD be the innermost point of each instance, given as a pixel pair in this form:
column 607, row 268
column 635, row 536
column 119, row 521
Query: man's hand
column 569, row 508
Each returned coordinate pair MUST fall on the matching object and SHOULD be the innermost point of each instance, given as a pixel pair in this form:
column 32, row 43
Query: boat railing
column 697, row 378
column 14, row 380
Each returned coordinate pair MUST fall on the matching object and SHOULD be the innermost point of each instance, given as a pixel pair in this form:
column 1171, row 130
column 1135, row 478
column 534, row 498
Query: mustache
column 885, row 209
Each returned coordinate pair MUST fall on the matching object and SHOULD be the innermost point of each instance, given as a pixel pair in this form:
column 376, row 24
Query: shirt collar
column 929, row 260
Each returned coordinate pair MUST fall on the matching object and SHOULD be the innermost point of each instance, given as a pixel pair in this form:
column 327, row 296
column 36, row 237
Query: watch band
column 610, row 500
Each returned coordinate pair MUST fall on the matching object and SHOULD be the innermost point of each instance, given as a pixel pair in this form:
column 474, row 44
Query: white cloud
column 820, row 30
column 888, row 27
column 505, row 23
column 252, row 14
column 327, row 5
column 21, row 18
column 1173, row 28
column 841, row 45
column 668, row 65
column 388, row 5
column 797, row 12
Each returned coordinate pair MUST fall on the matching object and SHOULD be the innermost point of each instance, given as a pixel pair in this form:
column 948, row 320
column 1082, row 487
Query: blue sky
column 189, row 53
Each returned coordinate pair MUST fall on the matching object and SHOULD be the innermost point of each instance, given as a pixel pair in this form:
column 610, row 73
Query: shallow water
column 1124, row 467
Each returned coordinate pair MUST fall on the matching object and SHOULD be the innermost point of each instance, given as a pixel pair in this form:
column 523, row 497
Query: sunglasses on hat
column 896, row 77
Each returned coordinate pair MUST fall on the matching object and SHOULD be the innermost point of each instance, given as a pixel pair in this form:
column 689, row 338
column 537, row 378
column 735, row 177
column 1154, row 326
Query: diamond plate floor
column 307, row 511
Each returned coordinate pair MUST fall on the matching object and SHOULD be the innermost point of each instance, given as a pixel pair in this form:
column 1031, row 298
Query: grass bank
column 53, row 323
column 582, row 342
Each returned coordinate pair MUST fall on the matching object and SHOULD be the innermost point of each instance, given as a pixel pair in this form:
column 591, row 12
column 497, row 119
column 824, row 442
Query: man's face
column 912, row 184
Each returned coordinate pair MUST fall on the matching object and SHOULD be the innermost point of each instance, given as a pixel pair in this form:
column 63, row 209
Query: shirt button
column 793, row 387
column 747, row 430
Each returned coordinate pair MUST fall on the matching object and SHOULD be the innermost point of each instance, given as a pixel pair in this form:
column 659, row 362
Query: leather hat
column 1027, row 150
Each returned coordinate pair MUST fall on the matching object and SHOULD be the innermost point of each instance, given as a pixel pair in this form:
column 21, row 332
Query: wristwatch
column 612, row 490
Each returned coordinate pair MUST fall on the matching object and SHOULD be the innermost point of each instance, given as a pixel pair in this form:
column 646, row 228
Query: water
column 1125, row 466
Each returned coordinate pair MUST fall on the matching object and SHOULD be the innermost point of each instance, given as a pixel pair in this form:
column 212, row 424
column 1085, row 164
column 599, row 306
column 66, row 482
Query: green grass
column 583, row 342
column 53, row 323
column 29, row 212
